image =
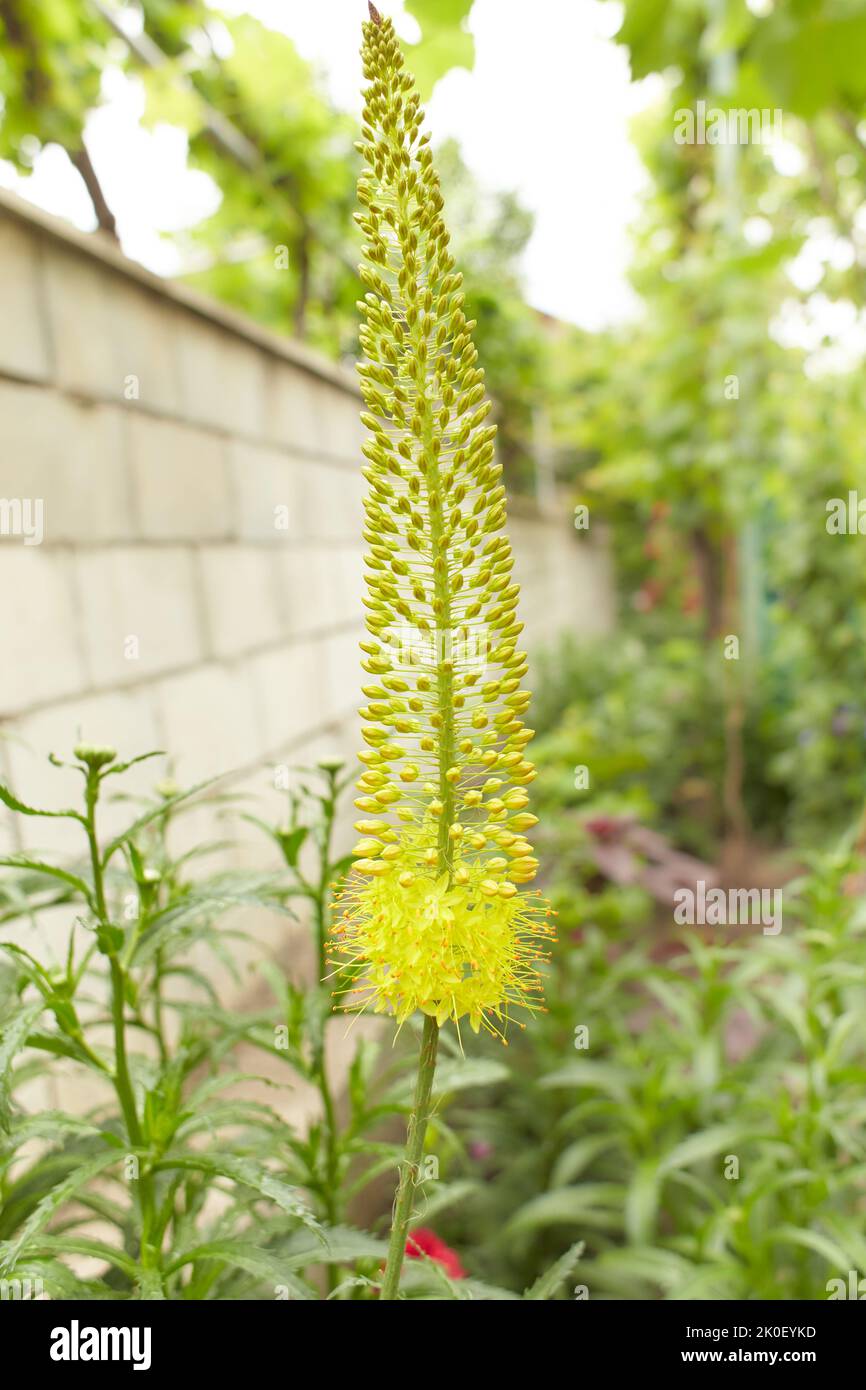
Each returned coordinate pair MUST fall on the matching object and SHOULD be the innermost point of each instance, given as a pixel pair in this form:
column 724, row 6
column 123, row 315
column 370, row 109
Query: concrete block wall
column 164, row 608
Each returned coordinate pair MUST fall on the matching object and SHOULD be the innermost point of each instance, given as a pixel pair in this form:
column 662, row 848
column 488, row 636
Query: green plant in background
column 177, row 1180
column 327, row 1155
column 434, row 919
column 691, row 1107
column 131, row 1183
column 136, row 1162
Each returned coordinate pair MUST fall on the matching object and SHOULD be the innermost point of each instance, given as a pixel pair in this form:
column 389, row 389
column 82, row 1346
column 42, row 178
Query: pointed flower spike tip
column 374, row 13
column 435, row 915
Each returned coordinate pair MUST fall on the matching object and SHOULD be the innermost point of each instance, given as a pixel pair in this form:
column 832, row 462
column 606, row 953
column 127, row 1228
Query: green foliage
column 700, row 1052
column 180, row 1180
column 444, row 42
column 51, row 57
column 129, row 1001
column 277, row 246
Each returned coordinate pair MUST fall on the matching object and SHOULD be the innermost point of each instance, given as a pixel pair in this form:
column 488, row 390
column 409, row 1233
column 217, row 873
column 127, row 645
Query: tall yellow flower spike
column 433, row 917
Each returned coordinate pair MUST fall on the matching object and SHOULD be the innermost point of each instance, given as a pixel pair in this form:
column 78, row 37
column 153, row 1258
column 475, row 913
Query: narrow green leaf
column 21, row 861
column 23, row 809
column 12, row 1038
column 552, row 1280
column 10, row 1250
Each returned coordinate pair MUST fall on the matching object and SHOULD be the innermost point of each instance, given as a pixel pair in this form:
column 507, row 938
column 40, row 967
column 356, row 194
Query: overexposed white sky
column 545, row 113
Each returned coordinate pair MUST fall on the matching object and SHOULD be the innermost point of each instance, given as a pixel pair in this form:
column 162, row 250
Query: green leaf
column 10, row 1250
column 334, row 1245
column 153, row 814
column 551, row 1281
column 635, row 1271
column 822, row 1245
column 21, row 861
column 706, row 1144
column 600, row 1076
column 291, row 843
column 444, row 44
column 433, row 1198
column 595, row 1204
column 149, row 1287
column 574, row 1159
column 22, row 809
column 270, row 1268
column 248, row 1174
column 50, row 1124
column 64, row 1047
column 642, row 1201
column 82, row 1245
column 456, row 1074
column 60, row 1283
column 117, row 768
column 13, row 1037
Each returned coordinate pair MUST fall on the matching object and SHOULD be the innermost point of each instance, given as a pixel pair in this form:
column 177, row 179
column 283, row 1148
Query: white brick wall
column 243, row 598
column 42, row 657
column 140, row 612
column 209, row 721
column 271, row 487
column 89, row 495
column 24, row 350
column 125, row 719
column 181, row 480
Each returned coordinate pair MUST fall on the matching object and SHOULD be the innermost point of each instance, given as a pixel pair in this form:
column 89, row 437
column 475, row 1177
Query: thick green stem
column 411, row 1165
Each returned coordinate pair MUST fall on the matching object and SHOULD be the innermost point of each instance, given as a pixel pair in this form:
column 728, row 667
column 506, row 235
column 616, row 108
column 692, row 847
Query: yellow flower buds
column 432, row 920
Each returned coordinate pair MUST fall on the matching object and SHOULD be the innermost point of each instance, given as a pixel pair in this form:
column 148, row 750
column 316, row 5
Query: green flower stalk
column 433, row 918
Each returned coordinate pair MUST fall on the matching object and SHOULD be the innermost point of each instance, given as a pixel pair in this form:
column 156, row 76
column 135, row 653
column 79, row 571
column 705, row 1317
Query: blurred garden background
column 673, row 331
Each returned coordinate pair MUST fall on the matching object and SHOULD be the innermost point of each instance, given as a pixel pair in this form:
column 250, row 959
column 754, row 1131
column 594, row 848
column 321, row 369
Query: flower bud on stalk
column 435, row 917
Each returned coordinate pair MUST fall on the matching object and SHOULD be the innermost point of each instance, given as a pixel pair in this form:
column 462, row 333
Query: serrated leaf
column 21, row 807
column 10, row 1250
column 263, row 1264
column 551, row 1281
column 21, row 861
column 13, row 1037
column 334, row 1245
column 248, row 1174
column 82, row 1245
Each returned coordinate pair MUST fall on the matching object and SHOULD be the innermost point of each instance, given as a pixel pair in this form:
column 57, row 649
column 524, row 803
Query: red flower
column 604, row 827
column 426, row 1242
